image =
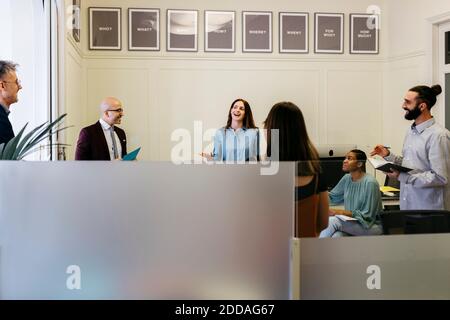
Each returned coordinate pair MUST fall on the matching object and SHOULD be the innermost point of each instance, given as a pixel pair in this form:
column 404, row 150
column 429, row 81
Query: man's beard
column 414, row 113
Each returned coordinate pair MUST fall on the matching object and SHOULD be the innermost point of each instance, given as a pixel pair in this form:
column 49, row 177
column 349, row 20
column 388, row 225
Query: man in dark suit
column 100, row 141
column 9, row 87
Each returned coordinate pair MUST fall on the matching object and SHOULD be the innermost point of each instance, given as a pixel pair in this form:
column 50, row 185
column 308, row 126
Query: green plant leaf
column 36, row 142
column 38, row 136
column 8, row 151
column 47, row 129
column 44, row 146
column 20, row 146
column 24, row 141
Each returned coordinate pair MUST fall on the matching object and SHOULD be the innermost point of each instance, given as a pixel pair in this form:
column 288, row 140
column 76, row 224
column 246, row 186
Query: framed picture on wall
column 76, row 10
column 447, row 46
column 143, row 29
column 257, row 31
column 364, row 33
column 105, row 28
column 182, row 30
column 329, row 33
column 293, row 32
column 220, row 31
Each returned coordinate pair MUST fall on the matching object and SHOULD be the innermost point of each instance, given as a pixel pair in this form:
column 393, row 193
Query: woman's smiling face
column 238, row 111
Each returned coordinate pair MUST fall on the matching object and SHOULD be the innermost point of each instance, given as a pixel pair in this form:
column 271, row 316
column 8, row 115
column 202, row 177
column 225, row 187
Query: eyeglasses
column 17, row 82
column 116, row 110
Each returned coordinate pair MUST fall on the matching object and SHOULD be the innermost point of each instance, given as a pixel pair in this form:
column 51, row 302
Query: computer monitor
column 391, row 195
column 394, row 183
column 331, row 159
column 332, row 170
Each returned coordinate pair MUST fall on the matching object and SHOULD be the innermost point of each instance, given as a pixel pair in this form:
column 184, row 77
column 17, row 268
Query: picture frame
column 329, row 33
column 293, row 32
column 76, row 16
column 182, row 30
column 447, row 47
column 105, row 28
column 143, row 29
column 220, row 31
column 364, row 33
column 257, row 31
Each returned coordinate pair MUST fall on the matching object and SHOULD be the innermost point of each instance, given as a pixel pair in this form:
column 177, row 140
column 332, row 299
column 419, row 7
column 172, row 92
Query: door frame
column 436, row 64
column 444, row 70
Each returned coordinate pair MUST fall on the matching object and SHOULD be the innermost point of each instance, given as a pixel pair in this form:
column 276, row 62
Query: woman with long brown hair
column 238, row 141
column 285, row 121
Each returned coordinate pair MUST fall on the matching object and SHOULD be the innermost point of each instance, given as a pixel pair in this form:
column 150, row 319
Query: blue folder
column 132, row 155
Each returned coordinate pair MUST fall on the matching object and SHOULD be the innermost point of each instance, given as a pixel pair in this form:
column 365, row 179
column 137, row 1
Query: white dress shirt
column 106, row 131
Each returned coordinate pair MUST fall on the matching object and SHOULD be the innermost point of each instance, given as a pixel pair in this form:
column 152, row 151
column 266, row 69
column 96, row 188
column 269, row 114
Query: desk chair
column 415, row 221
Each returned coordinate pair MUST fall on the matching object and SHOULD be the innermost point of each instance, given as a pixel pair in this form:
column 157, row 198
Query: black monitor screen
column 332, row 170
column 394, row 183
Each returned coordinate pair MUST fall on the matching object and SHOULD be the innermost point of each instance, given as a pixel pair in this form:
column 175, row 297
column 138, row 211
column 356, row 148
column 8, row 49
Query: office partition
column 139, row 230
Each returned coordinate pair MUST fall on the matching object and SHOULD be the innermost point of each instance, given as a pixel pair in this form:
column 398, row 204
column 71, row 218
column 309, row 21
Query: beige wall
column 341, row 95
column 407, row 22
column 409, row 61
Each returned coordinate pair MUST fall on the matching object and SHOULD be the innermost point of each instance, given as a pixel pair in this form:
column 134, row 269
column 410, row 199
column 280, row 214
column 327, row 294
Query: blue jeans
column 338, row 228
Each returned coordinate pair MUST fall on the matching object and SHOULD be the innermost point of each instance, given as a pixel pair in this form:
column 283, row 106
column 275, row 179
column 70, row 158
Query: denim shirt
column 239, row 146
column 426, row 150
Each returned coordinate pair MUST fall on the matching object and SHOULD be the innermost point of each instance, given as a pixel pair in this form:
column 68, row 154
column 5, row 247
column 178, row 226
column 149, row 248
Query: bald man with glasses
column 9, row 88
column 103, row 140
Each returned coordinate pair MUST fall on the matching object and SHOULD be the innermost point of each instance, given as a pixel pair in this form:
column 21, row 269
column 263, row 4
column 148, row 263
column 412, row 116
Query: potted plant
column 23, row 145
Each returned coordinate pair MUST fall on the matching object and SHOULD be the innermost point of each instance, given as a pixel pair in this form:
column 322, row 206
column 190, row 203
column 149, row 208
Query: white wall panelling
column 346, row 99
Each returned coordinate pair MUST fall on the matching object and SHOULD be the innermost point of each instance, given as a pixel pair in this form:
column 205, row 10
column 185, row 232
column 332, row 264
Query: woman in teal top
column 360, row 194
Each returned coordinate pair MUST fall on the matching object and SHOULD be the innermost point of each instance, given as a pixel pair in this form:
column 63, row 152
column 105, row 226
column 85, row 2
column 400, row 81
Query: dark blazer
column 6, row 130
column 92, row 143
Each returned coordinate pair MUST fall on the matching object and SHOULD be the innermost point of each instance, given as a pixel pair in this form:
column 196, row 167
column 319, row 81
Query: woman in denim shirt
column 238, row 141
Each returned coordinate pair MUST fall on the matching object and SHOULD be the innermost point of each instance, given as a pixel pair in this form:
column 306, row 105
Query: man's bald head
column 110, row 103
column 111, row 110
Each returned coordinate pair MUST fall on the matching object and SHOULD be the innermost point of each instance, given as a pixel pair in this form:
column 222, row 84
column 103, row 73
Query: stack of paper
column 345, row 218
column 388, row 189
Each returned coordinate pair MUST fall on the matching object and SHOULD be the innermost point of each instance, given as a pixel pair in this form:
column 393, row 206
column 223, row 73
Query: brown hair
column 294, row 143
column 249, row 123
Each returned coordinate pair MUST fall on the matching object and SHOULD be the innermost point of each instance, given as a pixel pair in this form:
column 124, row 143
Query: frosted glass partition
column 382, row 267
column 79, row 230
